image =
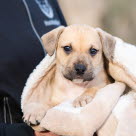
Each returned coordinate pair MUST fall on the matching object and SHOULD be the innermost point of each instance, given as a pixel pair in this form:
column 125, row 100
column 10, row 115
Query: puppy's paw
column 82, row 100
column 34, row 113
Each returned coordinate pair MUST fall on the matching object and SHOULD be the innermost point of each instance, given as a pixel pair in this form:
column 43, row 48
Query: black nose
column 80, row 69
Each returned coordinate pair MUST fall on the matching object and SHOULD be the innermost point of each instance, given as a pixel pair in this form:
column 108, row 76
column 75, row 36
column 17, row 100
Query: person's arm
column 44, row 134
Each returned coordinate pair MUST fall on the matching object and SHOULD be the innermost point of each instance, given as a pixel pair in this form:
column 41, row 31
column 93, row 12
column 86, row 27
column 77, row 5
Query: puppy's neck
column 63, row 89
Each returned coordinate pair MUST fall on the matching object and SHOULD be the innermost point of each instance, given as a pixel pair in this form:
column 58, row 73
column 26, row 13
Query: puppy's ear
column 50, row 39
column 108, row 44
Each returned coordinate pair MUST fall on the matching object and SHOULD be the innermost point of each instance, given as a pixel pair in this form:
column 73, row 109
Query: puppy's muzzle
column 80, row 69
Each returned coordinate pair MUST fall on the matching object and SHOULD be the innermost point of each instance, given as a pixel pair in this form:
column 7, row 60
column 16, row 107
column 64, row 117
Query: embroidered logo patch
column 45, row 8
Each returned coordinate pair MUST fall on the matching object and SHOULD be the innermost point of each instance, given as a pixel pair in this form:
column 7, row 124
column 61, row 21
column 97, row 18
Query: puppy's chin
column 80, row 82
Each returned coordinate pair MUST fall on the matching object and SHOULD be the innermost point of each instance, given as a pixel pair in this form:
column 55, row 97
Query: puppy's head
column 79, row 51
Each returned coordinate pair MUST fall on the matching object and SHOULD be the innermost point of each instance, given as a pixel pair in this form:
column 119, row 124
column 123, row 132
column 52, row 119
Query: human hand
column 45, row 134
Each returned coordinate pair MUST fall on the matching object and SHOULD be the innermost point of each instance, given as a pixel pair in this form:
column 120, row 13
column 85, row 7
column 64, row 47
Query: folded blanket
column 66, row 120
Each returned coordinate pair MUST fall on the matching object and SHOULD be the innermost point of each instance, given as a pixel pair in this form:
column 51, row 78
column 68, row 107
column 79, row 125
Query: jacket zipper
column 32, row 24
column 6, row 109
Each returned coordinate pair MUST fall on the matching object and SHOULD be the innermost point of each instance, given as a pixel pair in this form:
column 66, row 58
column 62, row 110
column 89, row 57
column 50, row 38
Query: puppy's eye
column 67, row 49
column 93, row 51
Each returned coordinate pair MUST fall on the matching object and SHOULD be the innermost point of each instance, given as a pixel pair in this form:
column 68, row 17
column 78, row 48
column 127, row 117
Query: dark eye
column 93, row 51
column 67, row 49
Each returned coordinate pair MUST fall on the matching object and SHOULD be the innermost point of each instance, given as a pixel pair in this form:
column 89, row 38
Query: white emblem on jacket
column 45, row 8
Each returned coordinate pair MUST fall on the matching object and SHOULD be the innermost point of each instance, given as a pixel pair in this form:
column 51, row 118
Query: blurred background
column 117, row 17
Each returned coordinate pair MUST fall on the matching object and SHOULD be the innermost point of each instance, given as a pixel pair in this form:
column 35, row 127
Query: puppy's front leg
column 85, row 98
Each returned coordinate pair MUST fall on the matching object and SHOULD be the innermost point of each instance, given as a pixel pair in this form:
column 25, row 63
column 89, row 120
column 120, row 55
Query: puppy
column 78, row 72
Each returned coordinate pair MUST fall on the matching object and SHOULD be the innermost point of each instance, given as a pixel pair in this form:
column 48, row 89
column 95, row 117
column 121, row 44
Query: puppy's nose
column 80, row 69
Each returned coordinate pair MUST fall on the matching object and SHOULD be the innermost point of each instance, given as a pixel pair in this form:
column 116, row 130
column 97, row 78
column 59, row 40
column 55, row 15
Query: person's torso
column 22, row 23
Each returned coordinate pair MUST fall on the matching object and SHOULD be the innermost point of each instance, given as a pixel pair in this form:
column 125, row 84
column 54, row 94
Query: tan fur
column 86, row 97
column 50, row 40
column 54, row 88
column 108, row 43
column 119, row 73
